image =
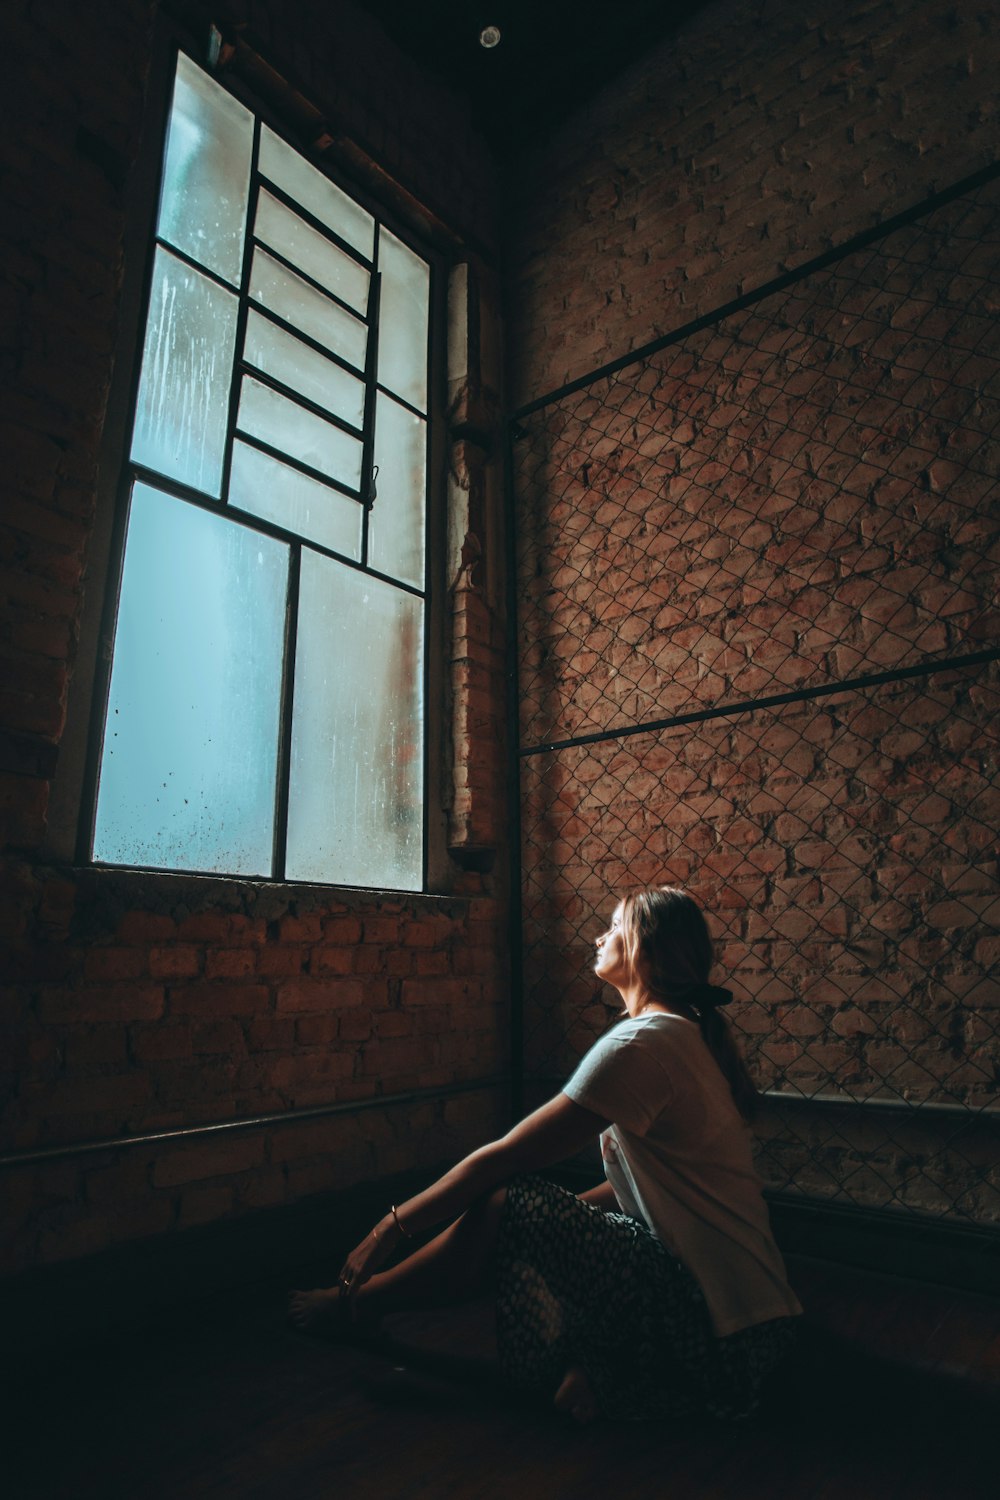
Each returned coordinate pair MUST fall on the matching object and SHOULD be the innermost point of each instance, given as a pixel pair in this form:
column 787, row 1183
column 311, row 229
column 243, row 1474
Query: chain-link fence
column 758, row 572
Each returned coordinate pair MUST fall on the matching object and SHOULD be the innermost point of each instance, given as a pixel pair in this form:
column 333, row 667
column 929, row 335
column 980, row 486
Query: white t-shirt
column 678, row 1156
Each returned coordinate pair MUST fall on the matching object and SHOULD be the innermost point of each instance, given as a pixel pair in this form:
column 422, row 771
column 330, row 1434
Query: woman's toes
column 576, row 1396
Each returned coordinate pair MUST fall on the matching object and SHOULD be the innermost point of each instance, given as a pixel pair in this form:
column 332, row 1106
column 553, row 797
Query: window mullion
column 371, row 397
column 284, row 767
column 236, row 374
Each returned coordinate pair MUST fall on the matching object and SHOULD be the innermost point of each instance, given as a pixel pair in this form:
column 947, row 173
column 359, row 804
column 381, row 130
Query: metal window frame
column 166, row 54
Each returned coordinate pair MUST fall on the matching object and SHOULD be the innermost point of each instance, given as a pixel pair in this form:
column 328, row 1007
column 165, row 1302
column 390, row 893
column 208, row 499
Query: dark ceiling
column 553, row 54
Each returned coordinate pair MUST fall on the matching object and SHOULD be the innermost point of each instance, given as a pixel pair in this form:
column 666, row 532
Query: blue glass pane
column 274, row 419
column 276, row 492
column 206, row 173
column 190, row 749
column 317, row 193
column 274, row 286
column 187, row 359
column 402, row 323
column 396, row 523
column 311, row 251
column 284, row 357
column 356, row 792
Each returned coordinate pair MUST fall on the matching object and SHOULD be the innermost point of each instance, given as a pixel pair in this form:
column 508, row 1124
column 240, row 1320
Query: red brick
column 393, row 1023
column 367, row 960
column 308, row 929
column 211, row 999
column 319, row 995
column 402, row 1055
column 314, row 1031
column 218, row 1037
column 279, row 962
column 439, row 991
column 114, row 963
column 381, row 929
column 111, row 1095
column 318, row 1069
column 342, row 930
column 179, row 962
column 145, row 927
column 151, row 1043
column 214, row 1156
column 332, row 961
column 101, row 1047
column 432, row 961
column 206, row 927
column 354, row 1025
column 124, row 1002
column 230, row 963
column 271, row 1035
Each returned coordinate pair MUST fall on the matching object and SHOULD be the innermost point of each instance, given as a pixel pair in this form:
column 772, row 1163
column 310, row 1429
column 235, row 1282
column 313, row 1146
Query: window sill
column 269, row 899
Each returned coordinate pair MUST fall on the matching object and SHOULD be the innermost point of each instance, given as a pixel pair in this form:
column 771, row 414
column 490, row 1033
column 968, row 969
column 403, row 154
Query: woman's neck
column 639, row 1001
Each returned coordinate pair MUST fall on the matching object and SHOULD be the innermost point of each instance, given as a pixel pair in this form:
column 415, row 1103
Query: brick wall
column 136, row 1003
column 799, row 495
column 752, row 141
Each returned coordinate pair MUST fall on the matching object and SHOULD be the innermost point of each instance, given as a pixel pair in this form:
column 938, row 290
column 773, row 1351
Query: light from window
column 265, row 704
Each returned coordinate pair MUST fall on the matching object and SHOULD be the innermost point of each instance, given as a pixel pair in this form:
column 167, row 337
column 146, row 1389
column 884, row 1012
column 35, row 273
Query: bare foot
column 576, row 1396
column 320, row 1311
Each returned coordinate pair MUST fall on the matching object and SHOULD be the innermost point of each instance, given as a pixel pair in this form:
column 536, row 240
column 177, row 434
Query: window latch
column 372, row 491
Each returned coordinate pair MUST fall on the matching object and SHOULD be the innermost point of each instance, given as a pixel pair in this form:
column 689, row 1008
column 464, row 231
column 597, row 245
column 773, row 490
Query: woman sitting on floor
column 660, row 1293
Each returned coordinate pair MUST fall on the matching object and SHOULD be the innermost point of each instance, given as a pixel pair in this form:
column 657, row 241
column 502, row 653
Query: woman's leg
column 456, row 1266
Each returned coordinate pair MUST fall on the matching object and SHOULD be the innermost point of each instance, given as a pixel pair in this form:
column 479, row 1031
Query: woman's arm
column 602, row 1196
column 558, row 1130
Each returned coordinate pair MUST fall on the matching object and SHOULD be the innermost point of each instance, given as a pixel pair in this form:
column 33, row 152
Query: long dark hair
column 666, row 940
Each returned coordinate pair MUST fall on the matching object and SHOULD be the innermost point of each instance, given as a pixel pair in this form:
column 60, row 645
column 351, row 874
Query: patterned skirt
column 579, row 1286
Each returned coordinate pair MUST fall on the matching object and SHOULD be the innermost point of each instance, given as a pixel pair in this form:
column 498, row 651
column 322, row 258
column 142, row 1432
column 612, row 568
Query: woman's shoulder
column 660, row 1023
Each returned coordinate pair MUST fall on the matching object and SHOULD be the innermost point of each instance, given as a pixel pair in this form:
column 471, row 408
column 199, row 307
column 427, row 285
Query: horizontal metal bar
column 308, row 217
column 310, row 281
column 296, row 463
column 778, row 284
column 250, row 1122
column 304, row 338
column 962, row 1113
column 401, row 401
column 323, row 413
column 194, row 265
column 774, row 700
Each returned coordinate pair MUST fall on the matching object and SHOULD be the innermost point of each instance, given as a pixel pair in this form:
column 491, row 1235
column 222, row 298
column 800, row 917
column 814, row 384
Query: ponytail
column 721, row 1043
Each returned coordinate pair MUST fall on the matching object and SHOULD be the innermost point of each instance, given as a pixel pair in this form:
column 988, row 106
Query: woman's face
column 610, row 963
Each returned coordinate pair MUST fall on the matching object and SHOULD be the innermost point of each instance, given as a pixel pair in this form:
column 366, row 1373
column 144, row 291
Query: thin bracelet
column 404, row 1232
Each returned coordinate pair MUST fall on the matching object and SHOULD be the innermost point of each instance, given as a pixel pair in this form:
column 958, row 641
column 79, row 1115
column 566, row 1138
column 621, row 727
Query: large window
column 265, row 704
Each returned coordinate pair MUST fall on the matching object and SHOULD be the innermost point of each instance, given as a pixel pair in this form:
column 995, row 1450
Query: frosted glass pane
column 276, row 420
column 191, row 740
column 324, row 200
column 286, row 358
column 306, row 248
column 396, row 523
column 402, row 321
column 270, row 489
column 356, row 799
column 206, row 172
column 274, row 286
column 187, row 360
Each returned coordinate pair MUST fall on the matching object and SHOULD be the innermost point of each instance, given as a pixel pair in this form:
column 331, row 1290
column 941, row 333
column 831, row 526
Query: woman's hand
column 365, row 1259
